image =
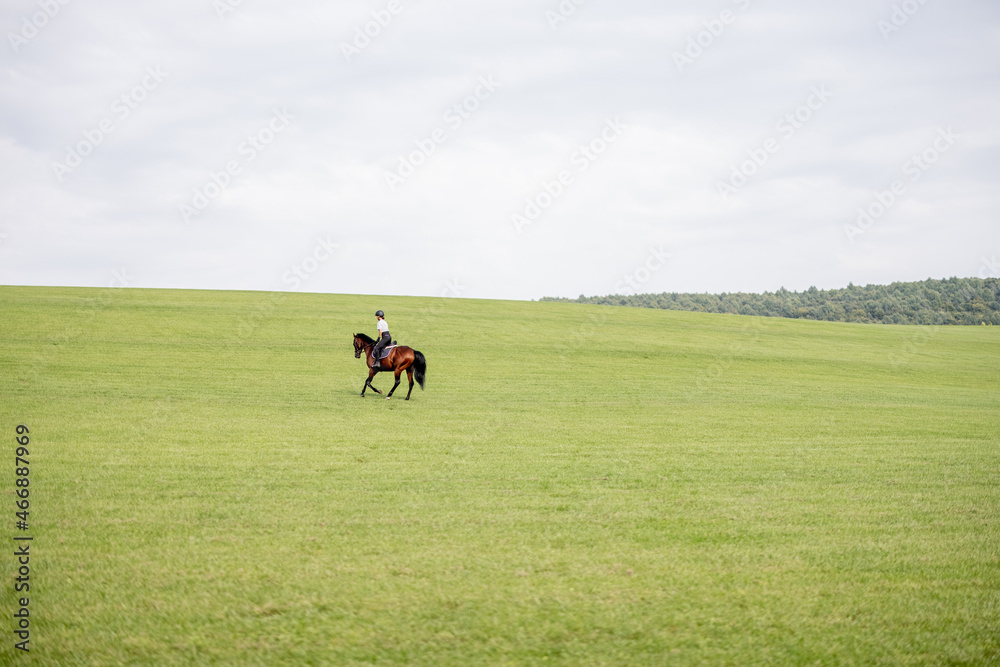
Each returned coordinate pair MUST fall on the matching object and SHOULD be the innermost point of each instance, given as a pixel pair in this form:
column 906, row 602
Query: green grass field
column 578, row 485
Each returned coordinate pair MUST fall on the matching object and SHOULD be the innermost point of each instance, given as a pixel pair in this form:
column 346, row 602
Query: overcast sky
column 513, row 149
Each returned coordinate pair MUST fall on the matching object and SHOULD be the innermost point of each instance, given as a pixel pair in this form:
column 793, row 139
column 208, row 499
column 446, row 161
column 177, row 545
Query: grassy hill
column 577, row 485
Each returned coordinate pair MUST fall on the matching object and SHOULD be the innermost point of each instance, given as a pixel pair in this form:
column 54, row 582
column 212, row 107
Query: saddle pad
column 387, row 350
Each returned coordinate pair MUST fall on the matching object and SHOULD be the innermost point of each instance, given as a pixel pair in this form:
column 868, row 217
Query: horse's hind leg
column 409, row 376
column 393, row 386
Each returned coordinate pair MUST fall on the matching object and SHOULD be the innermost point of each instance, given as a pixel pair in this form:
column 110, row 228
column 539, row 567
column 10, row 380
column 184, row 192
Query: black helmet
column 379, row 313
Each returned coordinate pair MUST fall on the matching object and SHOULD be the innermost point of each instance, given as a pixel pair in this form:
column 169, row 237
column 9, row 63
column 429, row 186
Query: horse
column 401, row 358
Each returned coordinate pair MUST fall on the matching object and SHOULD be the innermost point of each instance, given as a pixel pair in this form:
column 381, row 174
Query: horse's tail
column 419, row 367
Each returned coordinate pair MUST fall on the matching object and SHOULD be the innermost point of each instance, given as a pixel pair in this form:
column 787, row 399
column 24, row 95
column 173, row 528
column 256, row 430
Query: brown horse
column 401, row 358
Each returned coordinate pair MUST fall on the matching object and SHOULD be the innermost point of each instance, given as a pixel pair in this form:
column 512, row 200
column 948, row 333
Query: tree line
column 961, row 301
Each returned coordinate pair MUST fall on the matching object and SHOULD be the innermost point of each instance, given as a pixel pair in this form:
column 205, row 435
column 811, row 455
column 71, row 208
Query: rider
column 383, row 339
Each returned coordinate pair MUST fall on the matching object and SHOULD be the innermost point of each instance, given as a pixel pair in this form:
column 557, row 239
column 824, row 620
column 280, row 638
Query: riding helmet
column 379, row 313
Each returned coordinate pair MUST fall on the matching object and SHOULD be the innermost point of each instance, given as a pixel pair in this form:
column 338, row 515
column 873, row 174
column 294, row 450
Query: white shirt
column 383, row 326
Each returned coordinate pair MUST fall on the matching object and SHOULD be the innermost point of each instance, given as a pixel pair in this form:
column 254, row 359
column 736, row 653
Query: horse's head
column 358, row 346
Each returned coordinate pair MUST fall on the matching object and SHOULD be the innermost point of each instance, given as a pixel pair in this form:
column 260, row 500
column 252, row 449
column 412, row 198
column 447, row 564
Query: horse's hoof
column 388, row 397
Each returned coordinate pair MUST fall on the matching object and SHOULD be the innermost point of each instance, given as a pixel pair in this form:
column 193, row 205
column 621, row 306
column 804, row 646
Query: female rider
column 383, row 339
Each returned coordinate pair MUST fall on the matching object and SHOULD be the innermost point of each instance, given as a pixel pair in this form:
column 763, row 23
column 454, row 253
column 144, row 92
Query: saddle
column 387, row 349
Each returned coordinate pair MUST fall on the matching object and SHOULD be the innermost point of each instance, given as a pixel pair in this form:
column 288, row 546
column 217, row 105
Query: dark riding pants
column 380, row 345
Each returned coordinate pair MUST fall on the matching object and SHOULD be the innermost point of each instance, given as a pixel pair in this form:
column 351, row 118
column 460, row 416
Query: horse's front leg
column 368, row 383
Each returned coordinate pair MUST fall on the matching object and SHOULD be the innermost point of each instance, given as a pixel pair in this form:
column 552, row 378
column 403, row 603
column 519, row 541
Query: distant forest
column 968, row 301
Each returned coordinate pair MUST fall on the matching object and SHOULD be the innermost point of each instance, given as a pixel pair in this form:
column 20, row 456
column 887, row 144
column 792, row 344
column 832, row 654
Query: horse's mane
column 365, row 338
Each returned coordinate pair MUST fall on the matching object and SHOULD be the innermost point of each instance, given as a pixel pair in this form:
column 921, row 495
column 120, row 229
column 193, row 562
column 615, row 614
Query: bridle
column 358, row 346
